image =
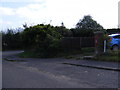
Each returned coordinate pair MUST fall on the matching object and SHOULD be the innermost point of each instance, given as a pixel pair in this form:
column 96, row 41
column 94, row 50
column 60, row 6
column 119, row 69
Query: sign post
column 105, row 43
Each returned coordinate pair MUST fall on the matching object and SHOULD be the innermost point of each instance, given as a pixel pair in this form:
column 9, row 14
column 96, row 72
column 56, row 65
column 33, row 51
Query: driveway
column 53, row 73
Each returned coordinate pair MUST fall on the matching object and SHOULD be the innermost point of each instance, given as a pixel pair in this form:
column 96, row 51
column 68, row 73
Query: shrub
column 41, row 38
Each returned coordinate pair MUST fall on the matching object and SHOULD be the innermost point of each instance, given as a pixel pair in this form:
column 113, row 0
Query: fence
column 113, row 31
column 77, row 42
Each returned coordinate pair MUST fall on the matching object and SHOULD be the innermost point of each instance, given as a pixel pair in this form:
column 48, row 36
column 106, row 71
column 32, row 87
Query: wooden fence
column 77, row 42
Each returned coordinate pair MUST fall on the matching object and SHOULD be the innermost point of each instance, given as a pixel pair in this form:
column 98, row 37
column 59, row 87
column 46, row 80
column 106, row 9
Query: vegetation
column 88, row 54
column 42, row 39
column 109, row 56
column 11, row 40
column 45, row 40
column 88, row 23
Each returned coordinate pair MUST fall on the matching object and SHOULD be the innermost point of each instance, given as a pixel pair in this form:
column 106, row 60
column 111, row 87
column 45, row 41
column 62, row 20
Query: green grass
column 109, row 56
column 88, row 50
column 33, row 54
column 68, row 54
column 75, row 55
column 78, row 54
column 28, row 54
column 37, row 54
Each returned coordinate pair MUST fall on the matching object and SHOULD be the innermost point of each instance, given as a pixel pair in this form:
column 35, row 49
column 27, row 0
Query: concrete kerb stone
column 97, row 67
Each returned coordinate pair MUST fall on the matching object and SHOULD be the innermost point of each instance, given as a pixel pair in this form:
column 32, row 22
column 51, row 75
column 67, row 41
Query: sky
column 15, row 13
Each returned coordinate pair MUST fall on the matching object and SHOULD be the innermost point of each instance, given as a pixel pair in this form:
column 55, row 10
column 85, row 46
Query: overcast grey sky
column 14, row 13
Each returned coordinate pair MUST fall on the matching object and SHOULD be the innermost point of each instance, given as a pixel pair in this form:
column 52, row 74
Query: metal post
column 104, row 46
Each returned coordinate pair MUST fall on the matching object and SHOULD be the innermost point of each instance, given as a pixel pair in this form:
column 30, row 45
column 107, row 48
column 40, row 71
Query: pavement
column 115, row 66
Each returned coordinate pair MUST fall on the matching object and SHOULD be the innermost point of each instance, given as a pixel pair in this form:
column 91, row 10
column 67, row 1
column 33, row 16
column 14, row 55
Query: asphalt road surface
column 52, row 73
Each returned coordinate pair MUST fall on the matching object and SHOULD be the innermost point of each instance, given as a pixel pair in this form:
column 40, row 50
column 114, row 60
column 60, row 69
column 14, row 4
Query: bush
column 41, row 38
column 11, row 40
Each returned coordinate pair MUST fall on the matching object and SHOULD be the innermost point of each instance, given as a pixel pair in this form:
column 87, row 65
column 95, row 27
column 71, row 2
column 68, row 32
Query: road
column 52, row 73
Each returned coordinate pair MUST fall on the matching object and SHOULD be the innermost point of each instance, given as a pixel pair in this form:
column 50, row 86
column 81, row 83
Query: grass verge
column 109, row 56
column 68, row 54
column 83, row 54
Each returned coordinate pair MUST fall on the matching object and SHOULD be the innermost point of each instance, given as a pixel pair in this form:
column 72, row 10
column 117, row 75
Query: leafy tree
column 11, row 40
column 25, row 25
column 62, row 24
column 63, row 31
column 88, row 23
column 41, row 37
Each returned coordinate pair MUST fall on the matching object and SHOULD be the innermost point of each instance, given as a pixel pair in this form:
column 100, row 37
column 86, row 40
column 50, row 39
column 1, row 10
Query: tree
column 88, row 23
column 11, row 40
column 40, row 37
column 25, row 25
column 62, row 24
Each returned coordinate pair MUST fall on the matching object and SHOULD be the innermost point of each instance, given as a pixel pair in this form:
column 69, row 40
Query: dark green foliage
column 63, row 30
column 82, row 33
column 41, row 38
column 11, row 40
column 88, row 23
column 45, row 40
